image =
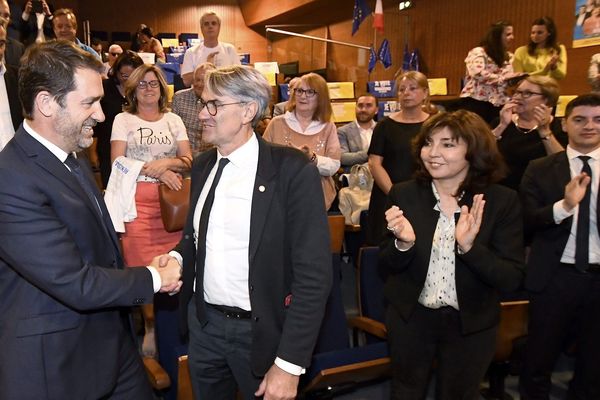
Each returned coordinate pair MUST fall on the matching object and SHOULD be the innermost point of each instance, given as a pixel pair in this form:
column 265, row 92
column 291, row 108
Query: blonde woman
column 389, row 153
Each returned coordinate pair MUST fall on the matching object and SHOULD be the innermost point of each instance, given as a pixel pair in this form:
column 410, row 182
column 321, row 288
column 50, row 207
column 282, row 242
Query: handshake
column 170, row 273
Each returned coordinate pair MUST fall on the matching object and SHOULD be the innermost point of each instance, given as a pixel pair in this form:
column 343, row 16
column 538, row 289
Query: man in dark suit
column 9, row 121
column 560, row 196
column 256, row 258
column 14, row 49
column 65, row 331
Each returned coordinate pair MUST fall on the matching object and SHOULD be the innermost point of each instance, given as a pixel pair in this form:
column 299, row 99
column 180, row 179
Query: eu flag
column 384, row 54
column 406, row 59
column 372, row 60
column 361, row 11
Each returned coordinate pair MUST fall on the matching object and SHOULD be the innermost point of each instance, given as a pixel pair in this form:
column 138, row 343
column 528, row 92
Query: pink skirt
column 145, row 237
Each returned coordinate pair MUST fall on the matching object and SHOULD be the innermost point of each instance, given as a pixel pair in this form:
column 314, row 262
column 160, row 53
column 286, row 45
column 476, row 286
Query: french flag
column 378, row 17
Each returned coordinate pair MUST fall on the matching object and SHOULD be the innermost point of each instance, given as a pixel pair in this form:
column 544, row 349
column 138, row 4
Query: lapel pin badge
column 261, row 188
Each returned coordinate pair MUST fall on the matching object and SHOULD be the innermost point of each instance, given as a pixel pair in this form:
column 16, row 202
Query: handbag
column 356, row 197
column 174, row 205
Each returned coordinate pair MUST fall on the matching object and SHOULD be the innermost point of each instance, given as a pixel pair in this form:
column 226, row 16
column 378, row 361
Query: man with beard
column 186, row 105
column 355, row 137
column 65, row 329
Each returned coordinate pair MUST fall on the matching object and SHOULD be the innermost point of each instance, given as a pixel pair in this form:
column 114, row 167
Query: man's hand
column 170, row 273
column 278, row 385
column 575, row 190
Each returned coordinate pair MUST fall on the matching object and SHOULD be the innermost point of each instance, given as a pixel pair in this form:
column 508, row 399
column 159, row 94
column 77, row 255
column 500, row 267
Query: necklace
column 523, row 130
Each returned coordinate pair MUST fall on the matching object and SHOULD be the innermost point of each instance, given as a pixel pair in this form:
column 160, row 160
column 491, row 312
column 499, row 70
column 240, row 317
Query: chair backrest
column 184, row 387
column 337, row 225
column 514, row 316
column 370, row 285
column 333, row 334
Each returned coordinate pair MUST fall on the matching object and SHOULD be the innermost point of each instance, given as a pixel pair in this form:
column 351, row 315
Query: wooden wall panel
column 443, row 31
column 311, row 54
column 177, row 16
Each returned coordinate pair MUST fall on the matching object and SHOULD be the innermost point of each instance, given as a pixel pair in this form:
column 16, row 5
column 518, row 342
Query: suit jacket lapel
column 199, row 177
column 262, row 195
column 47, row 161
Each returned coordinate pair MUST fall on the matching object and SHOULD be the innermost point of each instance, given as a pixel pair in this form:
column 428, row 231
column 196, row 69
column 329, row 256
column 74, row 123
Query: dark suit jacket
column 289, row 254
column 12, row 89
column 62, row 282
column 543, row 184
column 494, row 263
column 14, row 51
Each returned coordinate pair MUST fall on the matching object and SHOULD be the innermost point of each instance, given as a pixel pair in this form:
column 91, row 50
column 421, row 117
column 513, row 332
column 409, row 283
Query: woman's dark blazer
column 494, row 263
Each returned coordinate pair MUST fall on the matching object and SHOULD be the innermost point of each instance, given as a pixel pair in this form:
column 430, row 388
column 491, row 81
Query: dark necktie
column 84, row 182
column 583, row 223
column 202, row 229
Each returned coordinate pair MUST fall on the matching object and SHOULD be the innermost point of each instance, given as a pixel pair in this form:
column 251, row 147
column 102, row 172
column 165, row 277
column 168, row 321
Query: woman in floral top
column 489, row 67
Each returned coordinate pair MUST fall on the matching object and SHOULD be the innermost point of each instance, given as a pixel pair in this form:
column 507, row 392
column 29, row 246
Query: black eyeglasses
column 308, row 92
column 115, row 54
column 153, row 84
column 212, row 106
column 526, row 93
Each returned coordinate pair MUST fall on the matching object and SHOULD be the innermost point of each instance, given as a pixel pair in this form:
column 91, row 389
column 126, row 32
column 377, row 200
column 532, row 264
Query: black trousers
column 569, row 306
column 219, row 356
column 132, row 381
column 436, row 334
column 486, row 110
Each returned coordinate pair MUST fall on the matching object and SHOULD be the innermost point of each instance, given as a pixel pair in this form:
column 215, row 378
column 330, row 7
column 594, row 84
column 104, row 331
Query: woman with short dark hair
column 150, row 44
column 454, row 242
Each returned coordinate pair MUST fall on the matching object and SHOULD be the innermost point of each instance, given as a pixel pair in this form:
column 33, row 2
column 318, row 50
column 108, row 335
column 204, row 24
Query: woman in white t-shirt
column 147, row 131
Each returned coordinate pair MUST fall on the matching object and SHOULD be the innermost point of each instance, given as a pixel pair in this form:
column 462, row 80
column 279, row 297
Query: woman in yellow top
column 543, row 55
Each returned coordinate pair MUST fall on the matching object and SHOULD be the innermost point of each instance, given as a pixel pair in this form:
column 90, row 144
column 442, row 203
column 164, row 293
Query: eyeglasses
column 308, row 92
column 124, row 76
column 115, row 54
column 153, row 84
column 526, row 93
column 212, row 106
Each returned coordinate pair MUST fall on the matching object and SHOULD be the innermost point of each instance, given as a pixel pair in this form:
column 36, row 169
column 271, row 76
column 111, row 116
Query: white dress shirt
column 226, row 267
column 366, row 134
column 227, row 239
column 575, row 165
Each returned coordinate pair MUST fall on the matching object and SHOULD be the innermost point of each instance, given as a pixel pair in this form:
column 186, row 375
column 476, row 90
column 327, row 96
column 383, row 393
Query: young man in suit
column 355, row 137
column 65, row 331
column 560, row 196
column 256, row 258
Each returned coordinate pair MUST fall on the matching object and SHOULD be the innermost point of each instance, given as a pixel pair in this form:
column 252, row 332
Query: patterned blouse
column 440, row 285
column 485, row 81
